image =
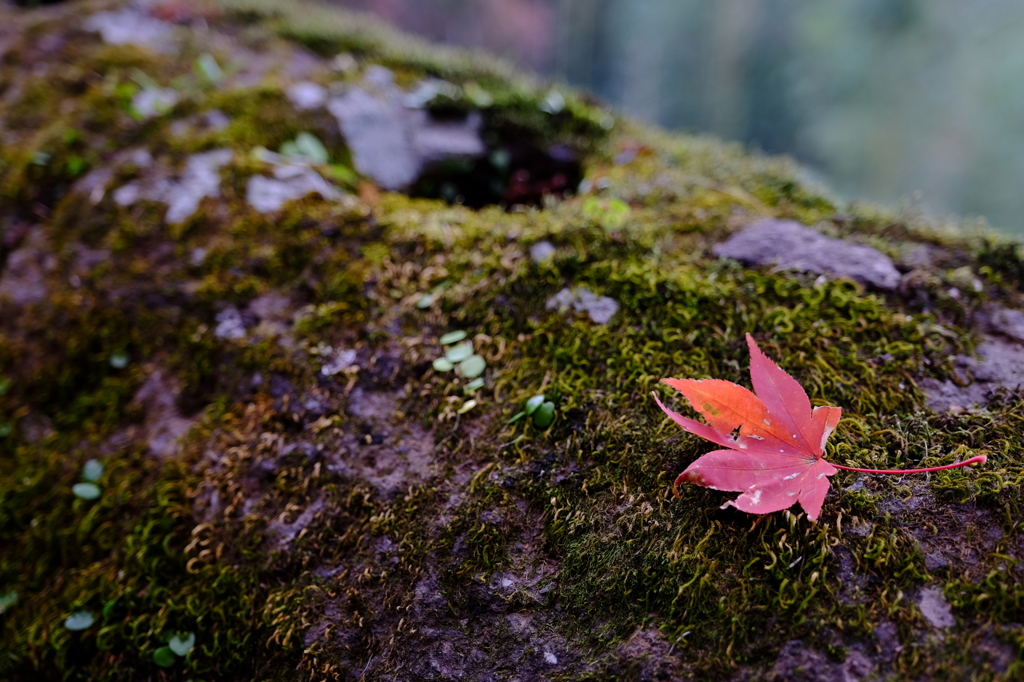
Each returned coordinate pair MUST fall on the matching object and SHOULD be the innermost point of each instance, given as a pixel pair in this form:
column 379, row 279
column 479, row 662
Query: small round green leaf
column 79, row 620
column 426, row 300
column 466, row 407
column 164, row 657
column 92, row 471
column 544, row 415
column 443, row 365
column 119, row 360
column 533, row 403
column 474, row 385
column 472, row 367
column 87, row 491
column 452, row 337
column 7, row 600
column 182, row 643
column 460, row 352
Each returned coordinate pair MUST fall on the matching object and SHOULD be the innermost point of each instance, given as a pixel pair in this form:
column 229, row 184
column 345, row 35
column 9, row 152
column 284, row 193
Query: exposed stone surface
column 131, row 26
column 154, row 101
column 582, row 300
column 200, row 179
column 1000, row 364
column 799, row 664
column 391, row 142
column 935, row 608
column 290, row 181
column 164, row 424
column 789, row 245
column 307, row 95
column 1009, row 322
column 541, row 251
column 23, row 278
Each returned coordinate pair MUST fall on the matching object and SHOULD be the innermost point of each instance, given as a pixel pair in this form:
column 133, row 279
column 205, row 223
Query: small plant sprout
column 474, row 385
column 86, row 491
column 177, row 646
column 306, row 147
column 79, row 620
column 7, row 600
column 452, row 337
column 208, row 68
column 119, row 359
column 182, row 643
column 443, row 365
column 472, row 367
column 466, row 407
column 164, row 657
column 457, row 354
column 538, row 407
column 91, row 472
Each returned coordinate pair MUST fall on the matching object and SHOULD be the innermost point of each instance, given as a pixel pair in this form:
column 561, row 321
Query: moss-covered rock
column 290, row 476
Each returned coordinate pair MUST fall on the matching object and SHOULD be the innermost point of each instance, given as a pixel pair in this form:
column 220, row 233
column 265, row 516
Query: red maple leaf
column 775, row 440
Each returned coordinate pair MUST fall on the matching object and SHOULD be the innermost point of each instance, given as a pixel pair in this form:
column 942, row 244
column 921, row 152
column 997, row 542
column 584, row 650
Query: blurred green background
column 916, row 102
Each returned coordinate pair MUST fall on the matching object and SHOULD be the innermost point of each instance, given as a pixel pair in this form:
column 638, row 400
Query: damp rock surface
column 788, row 245
column 251, row 342
column 391, row 142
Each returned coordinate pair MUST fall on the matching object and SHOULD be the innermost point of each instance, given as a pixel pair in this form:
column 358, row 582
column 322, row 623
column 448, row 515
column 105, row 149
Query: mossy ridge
column 620, row 560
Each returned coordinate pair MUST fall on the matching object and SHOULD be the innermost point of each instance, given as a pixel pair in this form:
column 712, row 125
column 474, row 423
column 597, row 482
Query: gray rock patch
column 541, row 251
column 1000, row 365
column 935, row 608
column 289, row 182
column 1009, row 322
column 131, row 27
column 790, row 245
column 599, row 308
column 229, row 324
column 154, row 101
column 23, row 278
column 200, row 179
column 306, row 95
column 391, row 142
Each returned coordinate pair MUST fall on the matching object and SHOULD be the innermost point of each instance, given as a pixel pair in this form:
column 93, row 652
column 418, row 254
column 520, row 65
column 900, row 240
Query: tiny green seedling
column 474, row 385
column 208, row 68
column 452, row 337
column 472, row 367
column 7, row 599
column 80, row 620
column 91, row 472
column 459, row 353
column 542, row 411
column 308, row 147
column 182, row 643
column 119, row 360
column 178, row 646
column 86, row 491
column 164, row 657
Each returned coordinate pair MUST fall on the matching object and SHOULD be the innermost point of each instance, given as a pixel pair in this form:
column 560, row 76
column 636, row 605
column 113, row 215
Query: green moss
column 195, row 542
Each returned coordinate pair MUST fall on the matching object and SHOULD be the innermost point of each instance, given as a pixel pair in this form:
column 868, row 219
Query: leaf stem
column 979, row 459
